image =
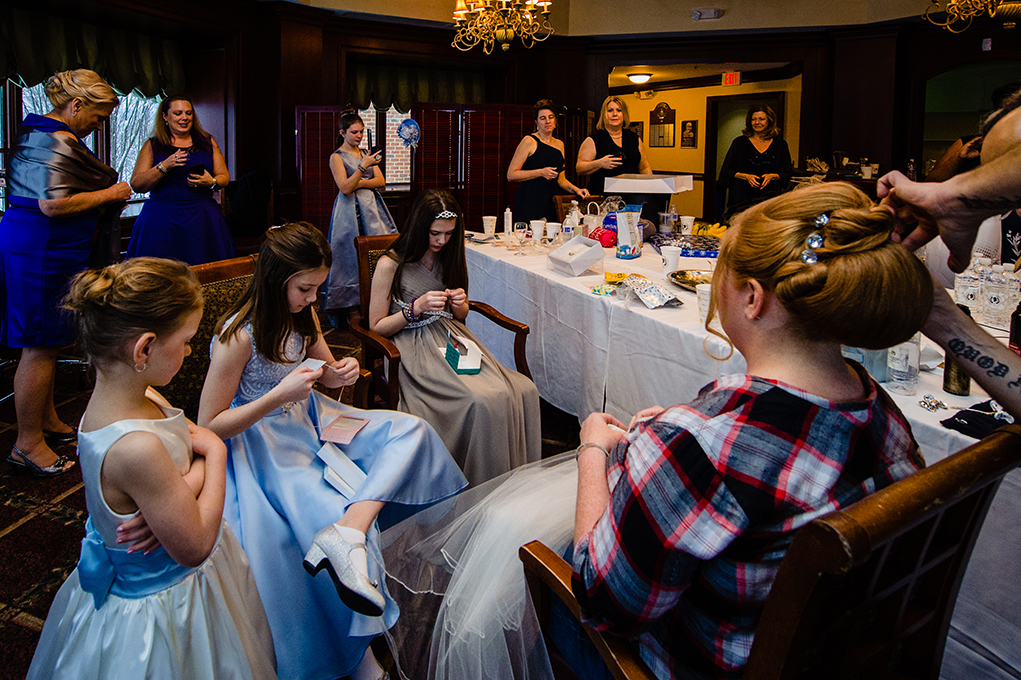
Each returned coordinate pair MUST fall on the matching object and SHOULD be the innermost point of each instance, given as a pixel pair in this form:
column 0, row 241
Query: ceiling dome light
column 639, row 78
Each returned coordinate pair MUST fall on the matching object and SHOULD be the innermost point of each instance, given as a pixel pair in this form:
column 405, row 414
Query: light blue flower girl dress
column 277, row 499
column 123, row 615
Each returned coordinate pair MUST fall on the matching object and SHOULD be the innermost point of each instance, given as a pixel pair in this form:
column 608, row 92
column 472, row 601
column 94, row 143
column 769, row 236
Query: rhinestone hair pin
column 814, row 241
column 446, row 215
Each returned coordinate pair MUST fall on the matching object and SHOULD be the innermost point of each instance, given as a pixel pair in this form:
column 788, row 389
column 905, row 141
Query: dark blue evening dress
column 181, row 222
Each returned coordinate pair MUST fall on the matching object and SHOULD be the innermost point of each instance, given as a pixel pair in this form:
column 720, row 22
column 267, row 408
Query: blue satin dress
column 277, row 500
column 179, row 221
column 131, row 615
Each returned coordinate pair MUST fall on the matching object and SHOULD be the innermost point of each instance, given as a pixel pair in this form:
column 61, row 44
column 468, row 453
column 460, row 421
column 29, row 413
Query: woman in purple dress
column 59, row 195
column 182, row 167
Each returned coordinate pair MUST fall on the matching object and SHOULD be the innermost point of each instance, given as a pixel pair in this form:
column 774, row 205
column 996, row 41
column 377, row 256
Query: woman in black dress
column 615, row 150
column 538, row 163
column 758, row 164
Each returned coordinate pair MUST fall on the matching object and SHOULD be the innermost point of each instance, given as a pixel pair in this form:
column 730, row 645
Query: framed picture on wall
column 638, row 127
column 689, row 134
column 661, row 125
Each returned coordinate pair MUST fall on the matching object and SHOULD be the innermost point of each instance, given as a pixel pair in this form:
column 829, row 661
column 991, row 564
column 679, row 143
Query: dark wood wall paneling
column 862, row 88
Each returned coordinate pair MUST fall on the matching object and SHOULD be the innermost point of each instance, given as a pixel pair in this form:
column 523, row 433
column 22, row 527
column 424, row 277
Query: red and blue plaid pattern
column 704, row 503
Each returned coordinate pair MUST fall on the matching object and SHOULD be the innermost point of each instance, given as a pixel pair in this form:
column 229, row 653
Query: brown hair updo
column 864, row 291
column 115, row 304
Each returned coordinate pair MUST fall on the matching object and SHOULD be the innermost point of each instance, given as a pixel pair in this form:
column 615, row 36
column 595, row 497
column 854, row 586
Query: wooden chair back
column 864, row 592
column 868, row 591
column 563, row 202
column 222, row 284
column 369, row 249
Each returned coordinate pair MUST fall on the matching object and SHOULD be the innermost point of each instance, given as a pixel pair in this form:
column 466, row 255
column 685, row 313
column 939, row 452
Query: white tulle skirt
column 459, row 560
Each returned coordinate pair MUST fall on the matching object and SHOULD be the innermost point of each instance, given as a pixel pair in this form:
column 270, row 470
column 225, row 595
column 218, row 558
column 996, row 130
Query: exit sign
column 732, row 78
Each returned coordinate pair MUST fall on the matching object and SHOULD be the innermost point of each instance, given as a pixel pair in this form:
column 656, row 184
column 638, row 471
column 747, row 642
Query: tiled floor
column 42, row 520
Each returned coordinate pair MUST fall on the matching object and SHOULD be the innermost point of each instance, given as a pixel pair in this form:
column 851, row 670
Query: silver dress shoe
column 331, row 551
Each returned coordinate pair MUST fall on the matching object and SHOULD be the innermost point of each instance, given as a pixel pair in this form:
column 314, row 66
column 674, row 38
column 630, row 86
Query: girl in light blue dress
column 258, row 395
column 187, row 608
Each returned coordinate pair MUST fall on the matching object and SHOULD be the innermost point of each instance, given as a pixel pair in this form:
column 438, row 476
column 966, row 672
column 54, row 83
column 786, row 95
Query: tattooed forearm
column 993, row 368
column 1002, row 203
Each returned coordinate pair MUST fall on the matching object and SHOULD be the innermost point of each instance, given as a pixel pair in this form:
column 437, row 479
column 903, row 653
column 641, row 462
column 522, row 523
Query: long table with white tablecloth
column 594, row 353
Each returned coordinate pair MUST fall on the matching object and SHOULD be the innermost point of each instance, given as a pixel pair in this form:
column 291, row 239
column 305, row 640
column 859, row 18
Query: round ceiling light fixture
column 639, row 78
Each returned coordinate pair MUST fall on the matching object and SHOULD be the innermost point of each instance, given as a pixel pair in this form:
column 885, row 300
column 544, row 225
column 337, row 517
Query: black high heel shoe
column 331, row 551
column 55, row 439
column 54, row 470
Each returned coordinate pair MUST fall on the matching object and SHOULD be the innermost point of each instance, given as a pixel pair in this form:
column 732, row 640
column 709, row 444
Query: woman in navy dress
column 182, row 167
column 538, row 163
column 758, row 164
column 59, row 194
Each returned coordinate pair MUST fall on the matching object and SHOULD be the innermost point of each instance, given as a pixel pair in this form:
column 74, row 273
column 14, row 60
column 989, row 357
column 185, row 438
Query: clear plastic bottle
column 995, row 299
column 983, row 266
column 571, row 222
column 968, row 287
column 902, row 366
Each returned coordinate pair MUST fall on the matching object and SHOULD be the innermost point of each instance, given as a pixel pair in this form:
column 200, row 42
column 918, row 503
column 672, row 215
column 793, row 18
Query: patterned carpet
column 42, row 520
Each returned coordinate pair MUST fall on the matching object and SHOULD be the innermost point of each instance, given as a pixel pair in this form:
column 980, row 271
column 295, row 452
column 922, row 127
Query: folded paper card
column 576, row 256
column 346, row 477
column 463, row 355
column 343, row 429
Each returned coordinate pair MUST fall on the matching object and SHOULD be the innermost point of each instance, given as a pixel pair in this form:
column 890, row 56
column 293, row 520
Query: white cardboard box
column 647, row 184
column 576, row 256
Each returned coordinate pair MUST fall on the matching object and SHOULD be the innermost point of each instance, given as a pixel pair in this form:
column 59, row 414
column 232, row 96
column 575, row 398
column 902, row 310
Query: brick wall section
column 398, row 156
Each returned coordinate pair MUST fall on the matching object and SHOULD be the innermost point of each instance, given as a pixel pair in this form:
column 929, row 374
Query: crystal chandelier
column 960, row 13
column 488, row 22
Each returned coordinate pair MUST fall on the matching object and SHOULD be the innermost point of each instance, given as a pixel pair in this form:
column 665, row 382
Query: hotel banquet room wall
column 862, row 86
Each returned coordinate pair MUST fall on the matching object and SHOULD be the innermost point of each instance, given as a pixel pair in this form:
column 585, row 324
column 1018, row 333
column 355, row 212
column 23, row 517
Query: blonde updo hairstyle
column 116, row 304
column 64, row 87
column 864, row 291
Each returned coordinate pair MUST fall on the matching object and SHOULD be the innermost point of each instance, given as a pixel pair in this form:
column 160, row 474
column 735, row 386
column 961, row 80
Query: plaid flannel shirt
column 705, row 500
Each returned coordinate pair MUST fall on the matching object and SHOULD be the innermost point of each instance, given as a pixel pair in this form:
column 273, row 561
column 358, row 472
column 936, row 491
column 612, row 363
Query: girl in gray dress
column 489, row 420
column 358, row 211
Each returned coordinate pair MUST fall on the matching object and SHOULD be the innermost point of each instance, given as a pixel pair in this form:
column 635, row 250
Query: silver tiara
column 446, row 215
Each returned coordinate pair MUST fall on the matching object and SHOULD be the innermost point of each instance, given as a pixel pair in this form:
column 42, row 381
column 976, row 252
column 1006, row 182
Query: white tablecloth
column 593, row 353
column 590, row 353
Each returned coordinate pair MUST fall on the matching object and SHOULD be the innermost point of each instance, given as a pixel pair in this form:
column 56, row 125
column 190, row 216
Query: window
column 396, row 163
column 129, row 126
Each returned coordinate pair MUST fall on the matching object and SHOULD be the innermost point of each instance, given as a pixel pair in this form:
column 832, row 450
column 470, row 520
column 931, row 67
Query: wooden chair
column 382, row 357
column 864, row 592
column 222, row 284
column 563, row 202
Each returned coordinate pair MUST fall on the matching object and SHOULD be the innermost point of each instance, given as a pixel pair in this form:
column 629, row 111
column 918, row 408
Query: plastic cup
column 538, row 229
column 671, row 258
column 687, row 223
column 489, row 224
column 704, row 292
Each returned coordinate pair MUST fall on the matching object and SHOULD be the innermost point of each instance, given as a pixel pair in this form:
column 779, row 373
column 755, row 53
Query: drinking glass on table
column 520, row 231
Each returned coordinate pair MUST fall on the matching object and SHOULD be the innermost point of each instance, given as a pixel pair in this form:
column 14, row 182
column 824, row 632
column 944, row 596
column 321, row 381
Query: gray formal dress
column 489, row 420
column 363, row 213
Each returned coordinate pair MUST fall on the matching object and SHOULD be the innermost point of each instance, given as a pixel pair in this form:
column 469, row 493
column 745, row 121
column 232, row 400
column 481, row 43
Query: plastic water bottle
column 571, row 221
column 968, row 287
column 983, row 267
column 508, row 222
column 902, row 366
column 995, row 299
